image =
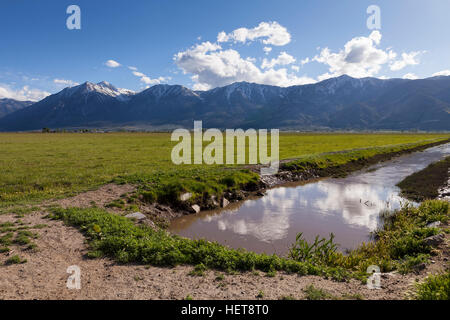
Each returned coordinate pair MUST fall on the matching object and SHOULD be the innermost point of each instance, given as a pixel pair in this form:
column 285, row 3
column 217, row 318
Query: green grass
column 4, row 249
column 199, row 270
column 435, row 287
column 313, row 293
column 15, row 260
column 42, row 166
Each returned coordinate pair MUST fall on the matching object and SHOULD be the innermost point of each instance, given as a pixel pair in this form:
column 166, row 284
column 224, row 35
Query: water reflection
column 348, row 207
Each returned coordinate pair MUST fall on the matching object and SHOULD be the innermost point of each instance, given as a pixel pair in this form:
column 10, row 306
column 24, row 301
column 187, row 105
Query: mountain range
column 337, row 103
column 8, row 106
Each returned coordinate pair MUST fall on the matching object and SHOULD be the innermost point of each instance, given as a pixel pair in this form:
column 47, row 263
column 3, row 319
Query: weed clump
column 435, row 287
column 15, row 260
column 313, row 293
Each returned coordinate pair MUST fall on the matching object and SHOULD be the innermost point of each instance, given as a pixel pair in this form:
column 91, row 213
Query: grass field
column 37, row 166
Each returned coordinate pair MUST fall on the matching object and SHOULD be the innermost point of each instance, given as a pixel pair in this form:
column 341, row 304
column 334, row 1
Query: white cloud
column 282, row 60
column 65, row 82
column 138, row 74
column 359, row 58
column 442, row 73
column 149, row 81
column 146, row 79
column 407, row 59
column 410, row 76
column 267, row 50
column 211, row 66
column 112, row 64
column 305, row 61
column 272, row 33
column 23, row 94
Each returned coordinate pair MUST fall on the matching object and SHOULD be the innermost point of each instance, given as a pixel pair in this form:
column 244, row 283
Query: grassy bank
column 37, row 166
column 341, row 163
column 400, row 245
column 426, row 183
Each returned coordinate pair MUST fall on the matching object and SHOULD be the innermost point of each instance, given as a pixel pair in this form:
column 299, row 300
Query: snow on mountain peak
column 103, row 87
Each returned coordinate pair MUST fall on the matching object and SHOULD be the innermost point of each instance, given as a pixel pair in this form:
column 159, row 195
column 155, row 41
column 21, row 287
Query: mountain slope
column 84, row 105
column 8, row 106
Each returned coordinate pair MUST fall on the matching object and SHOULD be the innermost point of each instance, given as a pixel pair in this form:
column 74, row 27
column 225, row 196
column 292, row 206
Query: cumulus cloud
column 305, row 61
column 211, row 66
column 442, row 73
column 146, row 79
column 149, row 81
column 267, row 50
column 282, row 60
column 112, row 64
column 138, row 74
column 23, row 94
column 407, row 59
column 270, row 33
column 359, row 58
column 410, row 76
column 65, row 82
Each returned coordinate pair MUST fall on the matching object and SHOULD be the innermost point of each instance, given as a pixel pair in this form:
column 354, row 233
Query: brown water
column 348, row 207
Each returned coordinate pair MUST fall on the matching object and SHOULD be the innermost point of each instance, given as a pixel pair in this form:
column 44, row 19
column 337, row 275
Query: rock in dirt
column 434, row 224
column 136, row 215
column 185, row 196
column 434, row 240
column 214, row 201
column 225, row 202
column 195, row 208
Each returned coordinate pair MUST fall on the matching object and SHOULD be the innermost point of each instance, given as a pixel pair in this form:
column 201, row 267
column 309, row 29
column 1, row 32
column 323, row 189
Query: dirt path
column 44, row 275
column 99, row 197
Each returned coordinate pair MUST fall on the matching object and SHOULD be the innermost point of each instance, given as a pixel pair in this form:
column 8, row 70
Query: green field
column 37, row 166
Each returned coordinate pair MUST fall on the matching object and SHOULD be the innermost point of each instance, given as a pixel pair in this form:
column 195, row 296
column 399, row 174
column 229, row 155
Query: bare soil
column 99, row 197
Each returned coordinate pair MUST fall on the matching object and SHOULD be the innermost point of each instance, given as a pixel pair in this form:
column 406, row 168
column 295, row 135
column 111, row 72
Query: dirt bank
column 429, row 183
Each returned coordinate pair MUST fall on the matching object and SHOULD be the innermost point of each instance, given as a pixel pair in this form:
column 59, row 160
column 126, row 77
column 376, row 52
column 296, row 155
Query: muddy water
column 348, row 207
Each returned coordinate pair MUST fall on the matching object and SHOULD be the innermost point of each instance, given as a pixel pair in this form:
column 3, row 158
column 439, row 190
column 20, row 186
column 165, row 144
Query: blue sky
column 176, row 42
